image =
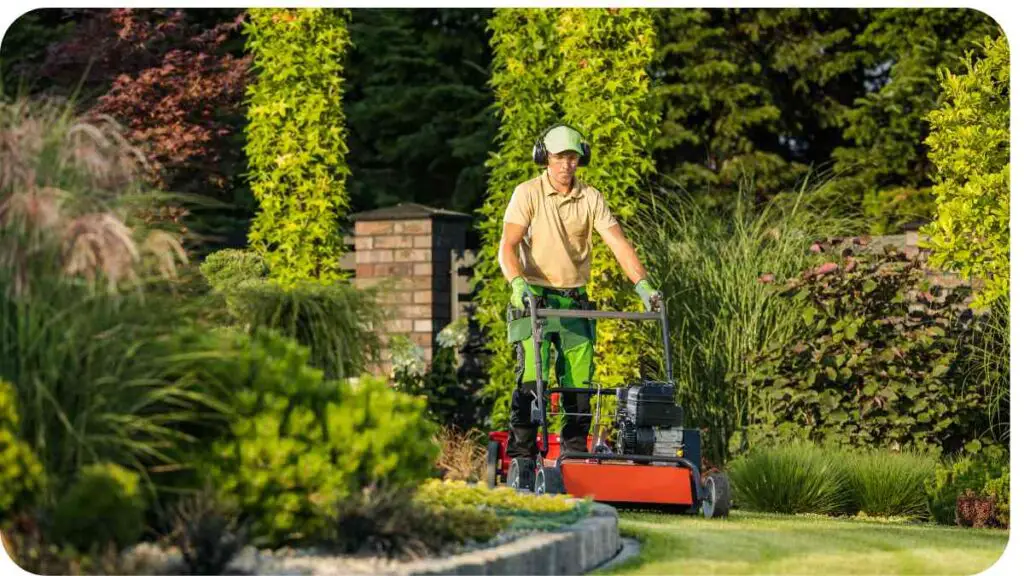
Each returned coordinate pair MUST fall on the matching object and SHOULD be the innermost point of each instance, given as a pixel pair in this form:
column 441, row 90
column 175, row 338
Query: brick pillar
column 409, row 246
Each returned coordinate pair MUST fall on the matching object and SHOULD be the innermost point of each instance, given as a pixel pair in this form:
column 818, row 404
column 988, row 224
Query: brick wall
column 408, row 253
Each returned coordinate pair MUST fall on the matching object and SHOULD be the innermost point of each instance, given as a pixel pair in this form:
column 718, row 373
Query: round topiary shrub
column 104, row 504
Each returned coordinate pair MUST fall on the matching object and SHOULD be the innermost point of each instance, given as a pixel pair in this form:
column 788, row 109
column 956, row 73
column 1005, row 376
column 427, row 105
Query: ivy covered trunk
column 296, row 140
column 587, row 67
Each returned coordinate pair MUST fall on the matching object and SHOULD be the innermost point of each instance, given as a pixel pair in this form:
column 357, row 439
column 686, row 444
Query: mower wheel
column 717, row 496
column 520, row 474
column 549, row 481
column 492, row 463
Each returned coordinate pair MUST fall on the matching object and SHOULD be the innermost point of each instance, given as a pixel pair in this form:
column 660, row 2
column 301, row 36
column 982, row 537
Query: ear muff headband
column 540, row 153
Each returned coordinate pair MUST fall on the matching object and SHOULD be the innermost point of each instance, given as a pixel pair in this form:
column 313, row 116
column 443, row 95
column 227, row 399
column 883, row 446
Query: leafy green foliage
column 25, row 43
column 426, row 141
column 299, row 443
column 792, row 478
column 21, row 474
column 296, row 140
column 884, row 483
column 749, row 97
column 719, row 313
column 985, row 472
column 884, row 160
column 875, row 363
column 103, row 504
column 452, row 399
column 970, row 146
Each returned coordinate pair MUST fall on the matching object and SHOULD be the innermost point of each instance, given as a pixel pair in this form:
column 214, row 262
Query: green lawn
column 754, row 543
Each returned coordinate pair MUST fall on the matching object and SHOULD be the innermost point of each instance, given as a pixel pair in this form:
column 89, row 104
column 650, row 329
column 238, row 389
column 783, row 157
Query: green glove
column 518, row 292
column 646, row 292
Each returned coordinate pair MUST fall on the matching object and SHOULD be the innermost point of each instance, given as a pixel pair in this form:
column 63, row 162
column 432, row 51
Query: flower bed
column 385, row 533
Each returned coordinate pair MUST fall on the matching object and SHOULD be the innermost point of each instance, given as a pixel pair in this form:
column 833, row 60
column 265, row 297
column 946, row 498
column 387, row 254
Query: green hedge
column 295, row 139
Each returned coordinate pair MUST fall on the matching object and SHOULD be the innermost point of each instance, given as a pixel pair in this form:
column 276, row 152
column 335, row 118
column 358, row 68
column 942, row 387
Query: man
column 546, row 248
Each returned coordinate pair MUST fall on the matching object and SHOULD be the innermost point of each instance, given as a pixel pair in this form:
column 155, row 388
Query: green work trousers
column 567, row 345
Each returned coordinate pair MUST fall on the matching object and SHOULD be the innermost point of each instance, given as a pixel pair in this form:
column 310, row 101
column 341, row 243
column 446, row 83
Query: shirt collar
column 576, row 192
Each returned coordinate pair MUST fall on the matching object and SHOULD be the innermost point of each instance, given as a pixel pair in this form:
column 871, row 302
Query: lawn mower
column 654, row 462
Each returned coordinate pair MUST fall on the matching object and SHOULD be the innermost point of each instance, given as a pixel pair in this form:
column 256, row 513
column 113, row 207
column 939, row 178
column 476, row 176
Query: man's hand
column 646, row 292
column 518, row 292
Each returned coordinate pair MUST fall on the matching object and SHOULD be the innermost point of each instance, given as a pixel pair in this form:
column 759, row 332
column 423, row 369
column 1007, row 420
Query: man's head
column 562, row 150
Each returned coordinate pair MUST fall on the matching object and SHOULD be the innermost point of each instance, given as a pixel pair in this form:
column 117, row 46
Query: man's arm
column 624, row 253
column 511, row 236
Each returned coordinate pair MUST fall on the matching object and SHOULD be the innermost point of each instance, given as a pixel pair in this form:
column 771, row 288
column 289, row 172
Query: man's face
column 562, row 166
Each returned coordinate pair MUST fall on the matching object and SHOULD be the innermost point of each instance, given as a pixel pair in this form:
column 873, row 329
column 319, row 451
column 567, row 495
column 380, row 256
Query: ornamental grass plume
column 72, row 198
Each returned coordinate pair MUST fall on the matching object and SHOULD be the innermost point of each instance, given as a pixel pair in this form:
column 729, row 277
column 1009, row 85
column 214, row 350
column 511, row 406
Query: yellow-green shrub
column 21, row 474
column 970, row 146
column 300, row 443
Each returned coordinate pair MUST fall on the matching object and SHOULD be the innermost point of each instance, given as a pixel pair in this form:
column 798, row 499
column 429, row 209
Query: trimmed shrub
column 793, row 478
column 884, row 483
column 228, row 269
column 21, row 474
column 103, row 505
column 299, row 443
column 336, row 321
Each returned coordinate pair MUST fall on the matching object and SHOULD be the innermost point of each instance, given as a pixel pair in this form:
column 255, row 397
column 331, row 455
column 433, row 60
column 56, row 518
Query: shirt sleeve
column 519, row 210
column 603, row 218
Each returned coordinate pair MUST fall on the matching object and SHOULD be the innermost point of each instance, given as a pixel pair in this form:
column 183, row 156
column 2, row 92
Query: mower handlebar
column 659, row 312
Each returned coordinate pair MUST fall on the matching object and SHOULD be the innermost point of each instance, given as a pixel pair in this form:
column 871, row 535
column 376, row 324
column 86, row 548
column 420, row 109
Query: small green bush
column 984, row 472
column 227, row 269
column 884, row 483
column 21, row 474
column 103, row 505
column 299, row 443
column 793, row 478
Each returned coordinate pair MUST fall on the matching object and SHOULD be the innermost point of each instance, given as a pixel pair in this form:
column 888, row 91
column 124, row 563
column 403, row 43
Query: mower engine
column 649, row 421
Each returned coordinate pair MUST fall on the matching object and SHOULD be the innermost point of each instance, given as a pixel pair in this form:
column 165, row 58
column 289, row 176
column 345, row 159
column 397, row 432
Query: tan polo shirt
column 556, row 251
